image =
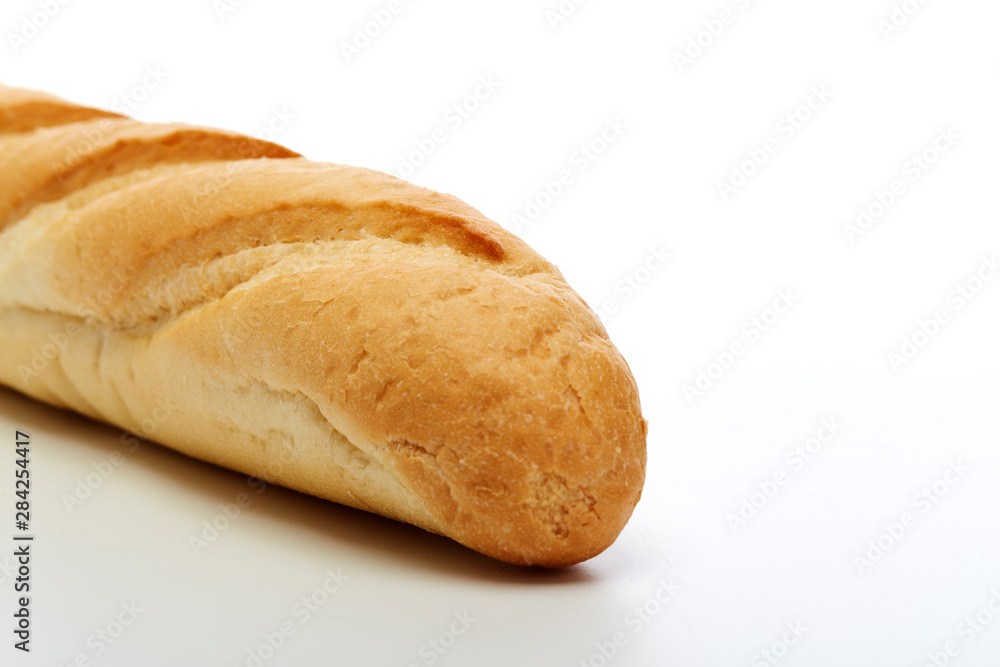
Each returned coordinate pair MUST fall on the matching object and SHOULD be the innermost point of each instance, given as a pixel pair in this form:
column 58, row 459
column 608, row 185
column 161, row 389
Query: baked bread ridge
column 24, row 110
column 50, row 162
column 337, row 331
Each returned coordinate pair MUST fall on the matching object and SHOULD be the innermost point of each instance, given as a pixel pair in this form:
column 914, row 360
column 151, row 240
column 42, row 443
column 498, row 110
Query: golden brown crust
column 49, row 163
column 331, row 329
column 26, row 110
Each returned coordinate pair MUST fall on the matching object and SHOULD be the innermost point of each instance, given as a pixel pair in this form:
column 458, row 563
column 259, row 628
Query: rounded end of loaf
column 521, row 428
column 556, row 477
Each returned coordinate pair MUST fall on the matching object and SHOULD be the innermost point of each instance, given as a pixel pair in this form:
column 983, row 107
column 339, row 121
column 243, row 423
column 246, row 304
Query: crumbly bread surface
column 327, row 328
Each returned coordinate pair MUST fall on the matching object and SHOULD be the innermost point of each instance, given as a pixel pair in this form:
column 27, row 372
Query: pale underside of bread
column 330, row 329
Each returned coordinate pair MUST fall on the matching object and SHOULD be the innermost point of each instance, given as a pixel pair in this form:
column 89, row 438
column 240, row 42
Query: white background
column 655, row 187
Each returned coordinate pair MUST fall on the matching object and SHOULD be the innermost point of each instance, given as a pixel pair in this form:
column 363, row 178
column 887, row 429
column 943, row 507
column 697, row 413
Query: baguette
column 330, row 329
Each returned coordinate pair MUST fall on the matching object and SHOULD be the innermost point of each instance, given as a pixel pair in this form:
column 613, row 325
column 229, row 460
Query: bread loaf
column 330, row 329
